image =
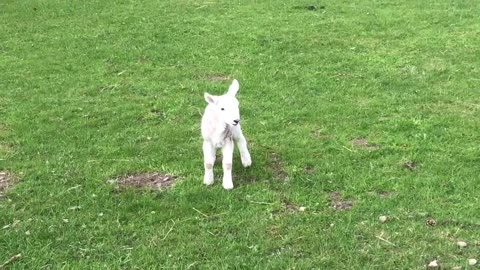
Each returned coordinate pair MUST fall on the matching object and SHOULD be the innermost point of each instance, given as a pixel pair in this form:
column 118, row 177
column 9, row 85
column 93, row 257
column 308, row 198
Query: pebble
column 462, row 244
column 472, row 262
column 433, row 264
column 383, row 219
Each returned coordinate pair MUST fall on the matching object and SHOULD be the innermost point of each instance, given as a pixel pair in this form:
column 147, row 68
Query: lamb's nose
column 236, row 121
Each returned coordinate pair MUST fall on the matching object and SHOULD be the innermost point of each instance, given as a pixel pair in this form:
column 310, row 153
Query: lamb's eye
column 223, row 109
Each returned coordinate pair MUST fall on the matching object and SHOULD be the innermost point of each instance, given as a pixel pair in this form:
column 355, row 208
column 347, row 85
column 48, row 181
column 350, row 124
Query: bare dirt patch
column 217, row 77
column 291, row 207
column 383, row 194
column 409, row 164
column 153, row 181
column 288, row 207
column 362, row 143
column 275, row 165
column 309, row 169
column 338, row 203
column 386, row 194
column 6, row 181
column 309, row 7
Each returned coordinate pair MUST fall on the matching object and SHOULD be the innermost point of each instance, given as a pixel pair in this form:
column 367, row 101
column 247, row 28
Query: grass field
column 353, row 110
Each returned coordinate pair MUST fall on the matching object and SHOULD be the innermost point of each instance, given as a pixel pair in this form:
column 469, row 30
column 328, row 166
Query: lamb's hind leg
column 209, row 160
column 242, row 147
column 227, row 153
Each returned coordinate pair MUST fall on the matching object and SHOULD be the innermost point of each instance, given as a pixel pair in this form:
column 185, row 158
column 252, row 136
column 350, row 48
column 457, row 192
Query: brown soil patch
column 250, row 178
column 410, row 164
column 218, row 77
column 363, row 144
column 383, row 194
column 289, row 206
column 155, row 181
column 309, row 7
column 338, row 203
column 6, row 180
column 275, row 165
column 309, row 169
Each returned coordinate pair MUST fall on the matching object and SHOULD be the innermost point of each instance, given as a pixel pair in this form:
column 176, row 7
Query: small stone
column 433, row 264
column 430, row 222
column 27, row 233
column 457, row 268
column 462, row 244
column 65, row 220
column 302, row 208
column 383, row 219
column 472, row 262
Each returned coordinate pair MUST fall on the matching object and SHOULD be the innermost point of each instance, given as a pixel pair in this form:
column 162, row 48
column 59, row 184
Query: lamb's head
column 226, row 106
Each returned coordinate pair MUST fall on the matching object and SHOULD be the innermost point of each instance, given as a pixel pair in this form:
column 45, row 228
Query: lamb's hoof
column 246, row 162
column 228, row 186
column 208, row 182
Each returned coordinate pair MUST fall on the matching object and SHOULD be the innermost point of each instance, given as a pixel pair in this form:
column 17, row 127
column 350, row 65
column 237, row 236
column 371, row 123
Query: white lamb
column 220, row 126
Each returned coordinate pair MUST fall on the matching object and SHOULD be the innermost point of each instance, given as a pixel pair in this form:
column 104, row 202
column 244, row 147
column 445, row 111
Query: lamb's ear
column 209, row 98
column 233, row 89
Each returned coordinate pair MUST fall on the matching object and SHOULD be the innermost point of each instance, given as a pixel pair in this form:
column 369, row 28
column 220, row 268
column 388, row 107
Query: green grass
column 93, row 90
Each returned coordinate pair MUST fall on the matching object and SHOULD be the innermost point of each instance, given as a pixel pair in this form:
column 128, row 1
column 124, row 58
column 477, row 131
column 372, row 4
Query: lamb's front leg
column 209, row 160
column 242, row 147
column 227, row 153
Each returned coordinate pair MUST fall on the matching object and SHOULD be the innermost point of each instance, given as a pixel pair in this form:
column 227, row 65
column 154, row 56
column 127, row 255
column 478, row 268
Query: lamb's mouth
column 234, row 124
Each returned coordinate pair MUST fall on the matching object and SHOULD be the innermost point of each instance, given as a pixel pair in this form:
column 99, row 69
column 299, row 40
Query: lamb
column 220, row 126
